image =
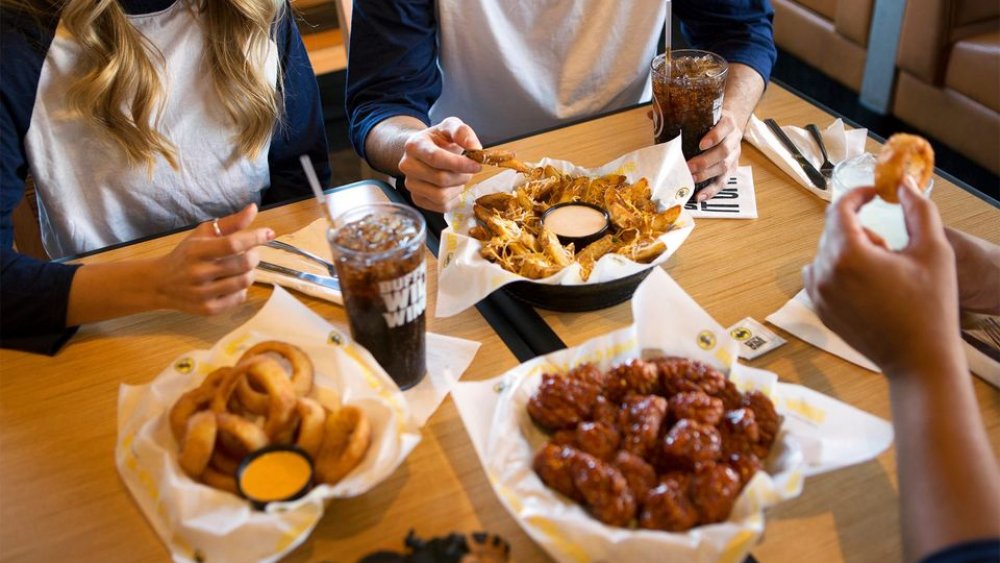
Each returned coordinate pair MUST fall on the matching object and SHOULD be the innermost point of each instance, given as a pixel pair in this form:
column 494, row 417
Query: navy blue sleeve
column 392, row 69
column 979, row 551
column 302, row 130
column 33, row 294
column 739, row 30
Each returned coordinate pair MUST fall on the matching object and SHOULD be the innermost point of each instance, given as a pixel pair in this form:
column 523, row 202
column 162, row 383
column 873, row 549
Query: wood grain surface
column 60, row 494
column 750, row 268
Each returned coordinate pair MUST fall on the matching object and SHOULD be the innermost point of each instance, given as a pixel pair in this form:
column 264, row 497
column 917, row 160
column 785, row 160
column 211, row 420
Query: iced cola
column 378, row 251
column 687, row 98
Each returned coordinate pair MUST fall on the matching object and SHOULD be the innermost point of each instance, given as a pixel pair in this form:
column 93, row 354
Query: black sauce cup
column 581, row 241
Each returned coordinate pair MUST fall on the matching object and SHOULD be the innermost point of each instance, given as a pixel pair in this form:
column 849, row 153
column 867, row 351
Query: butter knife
column 814, row 176
column 324, row 281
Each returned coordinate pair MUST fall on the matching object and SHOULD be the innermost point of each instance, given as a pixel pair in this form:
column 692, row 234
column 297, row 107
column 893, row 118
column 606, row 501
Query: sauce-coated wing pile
column 667, row 444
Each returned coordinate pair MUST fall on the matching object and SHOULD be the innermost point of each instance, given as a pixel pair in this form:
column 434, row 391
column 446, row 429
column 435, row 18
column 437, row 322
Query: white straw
column 666, row 30
column 307, row 167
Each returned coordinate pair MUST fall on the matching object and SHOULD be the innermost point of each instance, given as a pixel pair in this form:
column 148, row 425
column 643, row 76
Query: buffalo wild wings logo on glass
column 405, row 297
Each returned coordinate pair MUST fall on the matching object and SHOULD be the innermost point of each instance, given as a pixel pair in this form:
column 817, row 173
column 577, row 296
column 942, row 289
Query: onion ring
column 248, row 435
column 302, row 367
column 218, row 480
column 348, row 435
column 199, row 441
column 903, row 155
column 224, row 463
column 193, row 401
column 312, row 418
column 269, row 375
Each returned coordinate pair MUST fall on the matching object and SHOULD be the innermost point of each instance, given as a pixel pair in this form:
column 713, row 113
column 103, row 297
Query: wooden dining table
column 61, row 497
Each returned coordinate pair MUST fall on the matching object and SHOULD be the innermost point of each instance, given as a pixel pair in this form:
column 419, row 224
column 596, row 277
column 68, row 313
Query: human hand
column 721, row 157
column 978, row 265
column 435, row 170
column 900, row 309
column 206, row 273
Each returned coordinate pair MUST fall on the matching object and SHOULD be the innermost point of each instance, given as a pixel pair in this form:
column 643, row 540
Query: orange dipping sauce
column 275, row 475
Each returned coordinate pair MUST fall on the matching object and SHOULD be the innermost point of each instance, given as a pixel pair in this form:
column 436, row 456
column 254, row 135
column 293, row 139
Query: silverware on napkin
column 827, row 167
column 814, row 175
column 324, row 281
column 305, row 254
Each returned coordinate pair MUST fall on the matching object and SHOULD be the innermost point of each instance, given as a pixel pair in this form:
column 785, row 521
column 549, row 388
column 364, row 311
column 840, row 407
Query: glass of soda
column 378, row 250
column 883, row 218
column 688, row 87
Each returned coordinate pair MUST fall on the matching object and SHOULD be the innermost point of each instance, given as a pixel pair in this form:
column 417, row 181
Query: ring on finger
column 216, row 228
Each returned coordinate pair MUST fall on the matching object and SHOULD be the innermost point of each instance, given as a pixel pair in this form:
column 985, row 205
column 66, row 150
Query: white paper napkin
column 311, row 238
column 819, row 434
column 199, row 523
column 841, row 144
column 798, row 316
column 736, row 200
column 465, row 277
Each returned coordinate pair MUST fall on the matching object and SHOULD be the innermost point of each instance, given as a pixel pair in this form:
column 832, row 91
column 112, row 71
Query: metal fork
column 826, row 169
column 305, row 254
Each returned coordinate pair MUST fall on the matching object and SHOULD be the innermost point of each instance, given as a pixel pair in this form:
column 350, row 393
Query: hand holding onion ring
column 903, row 155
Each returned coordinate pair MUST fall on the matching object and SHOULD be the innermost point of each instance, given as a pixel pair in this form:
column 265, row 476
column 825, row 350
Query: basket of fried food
column 502, row 235
column 260, row 403
column 666, row 444
column 235, row 453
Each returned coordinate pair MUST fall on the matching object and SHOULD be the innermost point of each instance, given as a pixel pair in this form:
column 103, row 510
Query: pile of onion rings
column 261, row 401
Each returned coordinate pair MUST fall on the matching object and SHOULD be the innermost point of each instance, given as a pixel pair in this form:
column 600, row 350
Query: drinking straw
column 307, row 167
column 666, row 30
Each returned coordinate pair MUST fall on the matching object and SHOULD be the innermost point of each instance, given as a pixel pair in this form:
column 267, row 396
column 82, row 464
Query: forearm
column 744, row 87
column 948, row 475
column 385, row 143
column 105, row 291
column 977, row 263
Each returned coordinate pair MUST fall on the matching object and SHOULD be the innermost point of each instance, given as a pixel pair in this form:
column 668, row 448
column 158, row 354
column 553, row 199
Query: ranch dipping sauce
column 575, row 220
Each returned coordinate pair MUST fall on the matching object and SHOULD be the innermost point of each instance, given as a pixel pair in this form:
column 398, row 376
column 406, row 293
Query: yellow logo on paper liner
column 236, row 345
column 802, row 408
column 706, row 340
column 626, row 168
column 741, row 333
column 184, row 365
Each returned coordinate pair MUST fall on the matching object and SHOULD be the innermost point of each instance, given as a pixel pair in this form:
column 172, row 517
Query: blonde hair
column 118, row 87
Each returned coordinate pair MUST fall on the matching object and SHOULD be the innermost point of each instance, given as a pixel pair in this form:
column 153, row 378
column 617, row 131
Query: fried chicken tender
column 604, row 489
column 640, row 421
column 696, row 406
column 731, row 397
column 745, row 465
column 678, row 375
column 562, row 401
column 597, row 439
column 668, row 507
column 553, row 464
column 714, row 489
column 767, row 418
column 605, row 411
column 638, row 472
column 739, row 431
column 633, row 376
column 689, row 444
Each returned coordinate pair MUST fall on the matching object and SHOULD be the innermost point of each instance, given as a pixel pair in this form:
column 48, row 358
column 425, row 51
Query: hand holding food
column 893, row 307
column 209, row 271
column 256, row 406
column 903, row 155
column 433, row 164
column 668, row 443
column 517, row 234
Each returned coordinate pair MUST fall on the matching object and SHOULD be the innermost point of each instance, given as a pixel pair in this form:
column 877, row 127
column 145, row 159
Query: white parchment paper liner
column 818, row 434
column 465, row 277
column 200, row 523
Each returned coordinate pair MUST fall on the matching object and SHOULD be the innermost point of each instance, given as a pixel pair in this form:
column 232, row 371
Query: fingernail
column 704, row 144
column 269, row 234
